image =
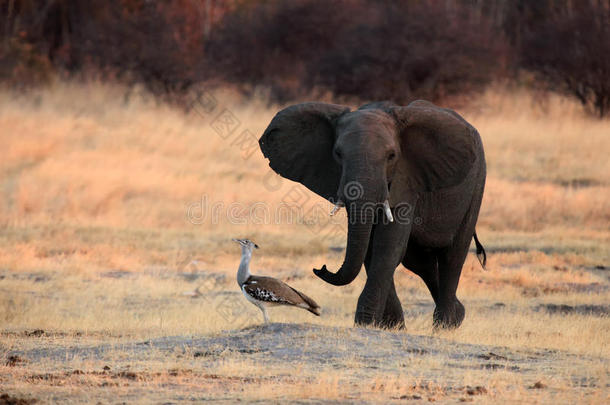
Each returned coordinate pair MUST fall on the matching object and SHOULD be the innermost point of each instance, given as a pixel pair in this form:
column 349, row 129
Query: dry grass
column 96, row 245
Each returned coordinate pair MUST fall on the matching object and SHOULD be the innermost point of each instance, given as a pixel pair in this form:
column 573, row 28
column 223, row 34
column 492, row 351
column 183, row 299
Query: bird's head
column 246, row 243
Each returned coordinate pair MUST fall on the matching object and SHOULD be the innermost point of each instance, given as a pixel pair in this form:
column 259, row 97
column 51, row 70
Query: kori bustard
column 268, row 291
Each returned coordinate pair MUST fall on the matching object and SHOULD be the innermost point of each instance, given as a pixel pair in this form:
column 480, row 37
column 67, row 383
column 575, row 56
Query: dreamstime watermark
column 353, row 190
column 225, row 123
column 288, row 213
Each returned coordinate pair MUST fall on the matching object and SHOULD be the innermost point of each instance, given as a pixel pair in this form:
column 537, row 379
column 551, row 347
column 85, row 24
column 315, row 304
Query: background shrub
column 356, row 49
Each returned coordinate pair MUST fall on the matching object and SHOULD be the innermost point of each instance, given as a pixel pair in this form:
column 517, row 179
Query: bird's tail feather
column 315, row 311
column 312, row 306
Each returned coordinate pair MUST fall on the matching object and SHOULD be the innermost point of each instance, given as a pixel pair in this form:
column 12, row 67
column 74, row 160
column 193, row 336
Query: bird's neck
column 244, row 266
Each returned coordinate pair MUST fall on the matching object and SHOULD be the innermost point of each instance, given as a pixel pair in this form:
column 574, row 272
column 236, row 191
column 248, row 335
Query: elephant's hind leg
column 424, row 263
column 449, row 312
column 440, row 270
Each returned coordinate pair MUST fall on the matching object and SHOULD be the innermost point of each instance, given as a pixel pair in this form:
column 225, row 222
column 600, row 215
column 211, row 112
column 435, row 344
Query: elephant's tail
column 481, row 255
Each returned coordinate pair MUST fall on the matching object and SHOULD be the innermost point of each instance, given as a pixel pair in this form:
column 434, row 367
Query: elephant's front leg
column 393, row 315
column 378, row 303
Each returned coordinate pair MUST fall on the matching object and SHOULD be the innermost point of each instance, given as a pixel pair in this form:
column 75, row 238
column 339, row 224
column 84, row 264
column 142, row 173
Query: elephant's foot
column 364, row 318
column 393, row 317
column 393, row 323
column 449, row 316
column 387, row 321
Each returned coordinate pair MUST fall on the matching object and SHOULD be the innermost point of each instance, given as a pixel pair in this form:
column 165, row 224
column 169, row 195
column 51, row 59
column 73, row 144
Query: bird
column 268, row 291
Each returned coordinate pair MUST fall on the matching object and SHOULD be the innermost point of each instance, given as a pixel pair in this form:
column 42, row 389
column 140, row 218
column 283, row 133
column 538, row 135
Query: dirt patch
column 118, row 274
column 580, row 183
column 37, row 277
column 491, row 356
column 478, row 390
column 538, row 385
column 14, row 360
column 563, row 309
column 6, row 399
column 35, row 333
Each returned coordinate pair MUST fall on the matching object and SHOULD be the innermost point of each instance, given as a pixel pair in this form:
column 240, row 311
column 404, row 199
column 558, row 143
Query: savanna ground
column 117, row 273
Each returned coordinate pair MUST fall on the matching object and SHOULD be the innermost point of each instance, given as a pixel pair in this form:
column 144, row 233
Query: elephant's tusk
column 338, row 205
column 388, row 212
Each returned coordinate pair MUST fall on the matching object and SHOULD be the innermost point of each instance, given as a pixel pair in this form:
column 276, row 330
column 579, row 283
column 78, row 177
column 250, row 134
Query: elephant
column 411, row 179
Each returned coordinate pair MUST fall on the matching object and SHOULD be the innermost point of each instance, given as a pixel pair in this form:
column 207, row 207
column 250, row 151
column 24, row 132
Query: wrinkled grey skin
column 427, row 161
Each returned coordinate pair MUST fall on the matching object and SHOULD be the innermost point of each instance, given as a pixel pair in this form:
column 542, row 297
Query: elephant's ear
column 299, row 144
column 437, row 144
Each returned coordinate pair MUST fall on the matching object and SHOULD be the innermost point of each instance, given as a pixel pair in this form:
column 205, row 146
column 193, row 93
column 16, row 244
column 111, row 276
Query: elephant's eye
column 391, row 156
column 338, row 154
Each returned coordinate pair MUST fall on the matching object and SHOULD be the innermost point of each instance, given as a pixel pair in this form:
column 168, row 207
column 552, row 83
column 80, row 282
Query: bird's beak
column 236, row 240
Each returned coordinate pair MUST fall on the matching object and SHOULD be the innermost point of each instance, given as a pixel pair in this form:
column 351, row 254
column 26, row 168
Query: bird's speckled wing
column 268, row 289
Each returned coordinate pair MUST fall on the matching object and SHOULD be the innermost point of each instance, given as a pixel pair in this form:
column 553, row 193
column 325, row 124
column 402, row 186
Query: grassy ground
column 116, row 215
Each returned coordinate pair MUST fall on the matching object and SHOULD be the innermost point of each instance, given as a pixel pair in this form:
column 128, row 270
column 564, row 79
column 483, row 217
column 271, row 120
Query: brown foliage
column 157, row 43
column 571, row 52
column 359, row 49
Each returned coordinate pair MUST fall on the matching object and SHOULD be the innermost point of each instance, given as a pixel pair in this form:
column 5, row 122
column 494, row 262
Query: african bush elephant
column 422, row 164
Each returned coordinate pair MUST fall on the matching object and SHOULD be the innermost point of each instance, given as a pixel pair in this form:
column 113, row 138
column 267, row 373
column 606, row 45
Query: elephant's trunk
column 358, row 235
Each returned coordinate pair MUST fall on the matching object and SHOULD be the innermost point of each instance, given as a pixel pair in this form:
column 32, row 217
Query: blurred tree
column 362, row 49
column 410, row 49
column 158, row 43
column 571, row 52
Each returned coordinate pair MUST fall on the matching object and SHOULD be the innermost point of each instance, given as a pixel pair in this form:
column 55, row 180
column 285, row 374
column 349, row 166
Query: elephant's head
column 380, row 154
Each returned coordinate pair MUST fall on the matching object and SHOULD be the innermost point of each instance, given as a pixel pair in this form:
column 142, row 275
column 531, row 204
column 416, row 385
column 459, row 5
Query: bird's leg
column 262, row 307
